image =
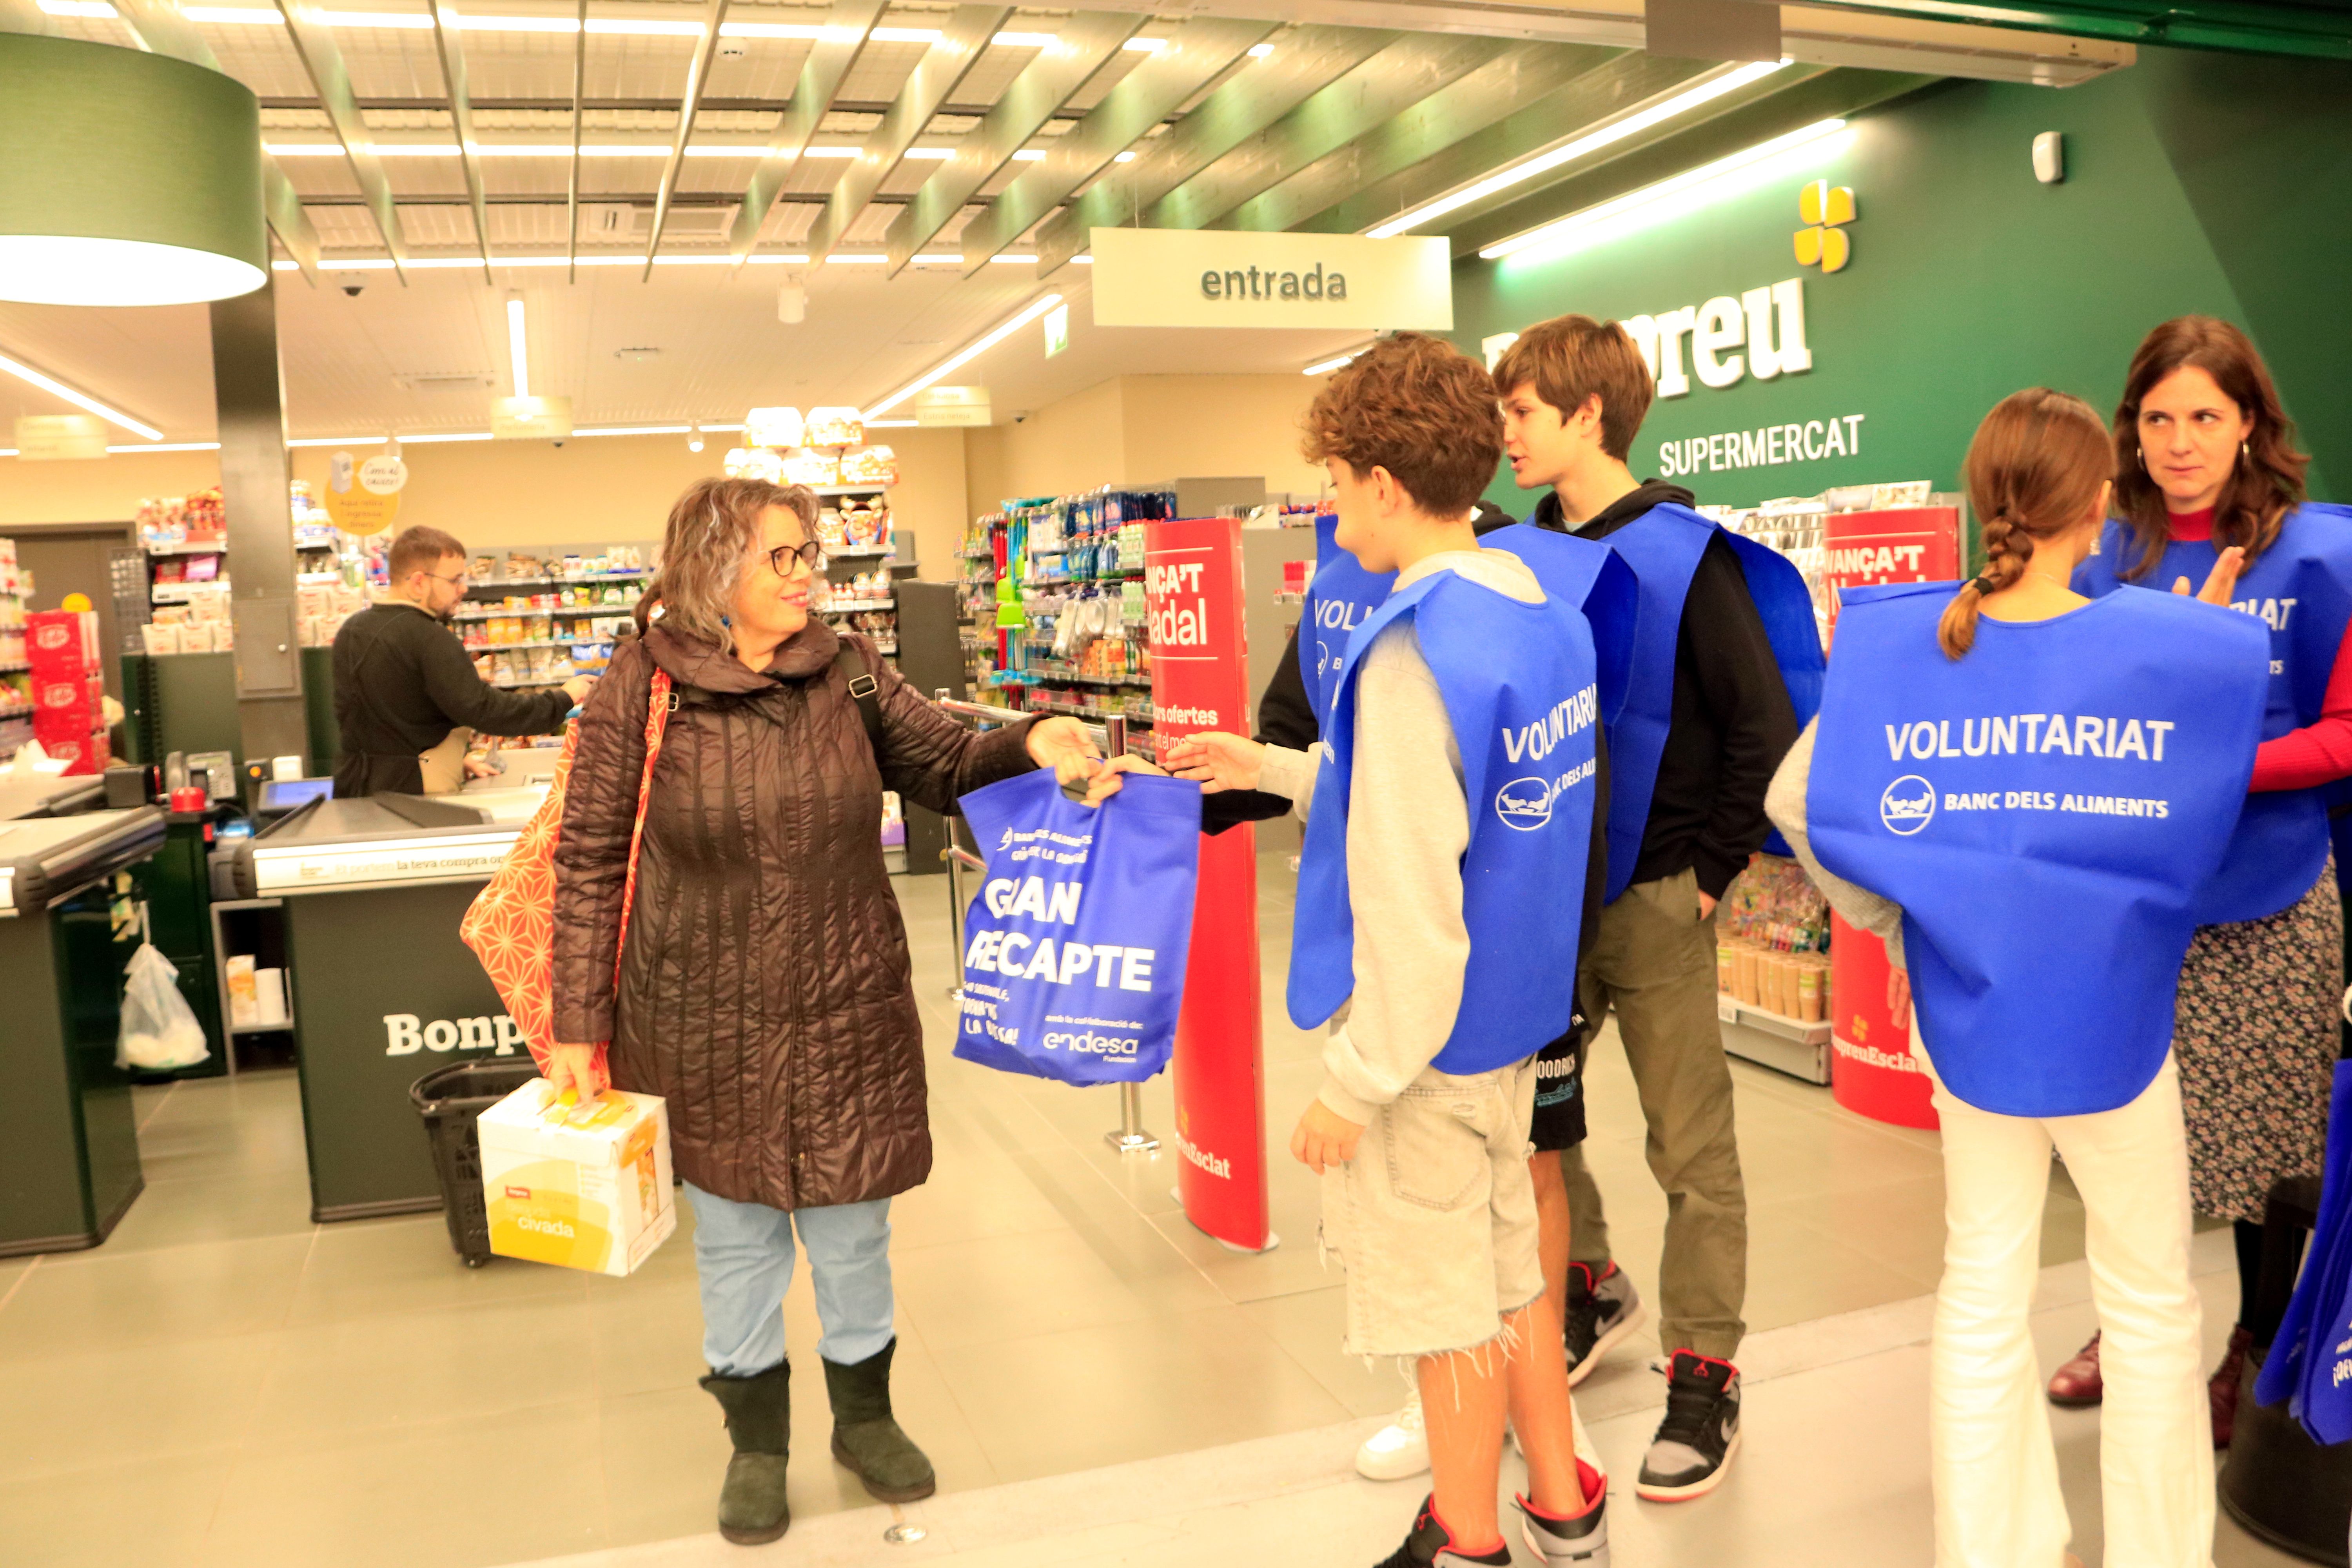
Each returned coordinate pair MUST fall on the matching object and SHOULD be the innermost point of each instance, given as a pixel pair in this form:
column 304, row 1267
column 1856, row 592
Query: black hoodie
column 1731, row 722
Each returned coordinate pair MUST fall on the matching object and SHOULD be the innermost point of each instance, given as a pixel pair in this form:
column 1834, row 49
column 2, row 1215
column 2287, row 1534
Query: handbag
column 510, row 925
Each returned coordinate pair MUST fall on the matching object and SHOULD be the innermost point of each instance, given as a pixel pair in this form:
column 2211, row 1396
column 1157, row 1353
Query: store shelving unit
column 861, row 540
column 16, row 669
column 540, row 628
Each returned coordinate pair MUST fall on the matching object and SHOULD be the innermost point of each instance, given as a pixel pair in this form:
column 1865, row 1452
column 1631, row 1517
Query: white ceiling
column 721, row 350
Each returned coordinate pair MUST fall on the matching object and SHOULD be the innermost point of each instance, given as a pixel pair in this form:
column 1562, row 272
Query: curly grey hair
column 711, row 533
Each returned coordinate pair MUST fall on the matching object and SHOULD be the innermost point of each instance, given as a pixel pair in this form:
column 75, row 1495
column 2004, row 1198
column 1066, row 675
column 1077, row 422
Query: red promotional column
column 1873, row 1071
column 1192, row 578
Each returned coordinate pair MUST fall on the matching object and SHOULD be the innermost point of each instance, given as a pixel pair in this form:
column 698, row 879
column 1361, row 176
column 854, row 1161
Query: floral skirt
column 2255, row 1035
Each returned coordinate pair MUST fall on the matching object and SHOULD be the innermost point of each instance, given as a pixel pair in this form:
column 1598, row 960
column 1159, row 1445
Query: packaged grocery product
column 833, row 427
column 160, row 637
column 580, row 1186
column 809, row 467
column 869, row 465
column 242, row 1004
column 779, row 427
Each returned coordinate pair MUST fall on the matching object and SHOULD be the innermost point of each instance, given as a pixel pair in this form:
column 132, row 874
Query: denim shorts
column 1434, row 1219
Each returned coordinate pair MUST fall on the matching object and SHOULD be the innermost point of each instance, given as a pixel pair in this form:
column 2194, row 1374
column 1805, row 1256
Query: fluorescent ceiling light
column 463, row 435
column 934, row 154
column 80, row 399
column 1579, row 227
column 828, row 152
column 98, row 9
column 1145, row 46
column 905, row 34
column 1123, row 158
column 1730, row 80
column 1029, row 155
column 517, row 346
column 969, row 351
column 1259, row 51
column 406, row 21
column 1082, row 262
column 233, row 16
column 173, row 446
column 1332, row 363
column 1026, row 40
column 340, row 441
column 381, row 263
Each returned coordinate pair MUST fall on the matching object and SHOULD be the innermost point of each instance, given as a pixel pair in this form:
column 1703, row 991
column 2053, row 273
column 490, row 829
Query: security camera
column 558, row 441
column 354, row 290
column 1020, row 416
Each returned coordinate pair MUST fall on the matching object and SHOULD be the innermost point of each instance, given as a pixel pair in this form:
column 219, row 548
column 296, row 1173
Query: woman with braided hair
column 2208, row 490
column 2025, row 792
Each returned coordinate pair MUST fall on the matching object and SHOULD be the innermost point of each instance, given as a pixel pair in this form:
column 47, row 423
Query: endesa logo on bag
column 1075, row 950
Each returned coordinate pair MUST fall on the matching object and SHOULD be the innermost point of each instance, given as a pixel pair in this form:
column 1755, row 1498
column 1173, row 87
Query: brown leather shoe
column 2223, row 1390
column 2077, row 1385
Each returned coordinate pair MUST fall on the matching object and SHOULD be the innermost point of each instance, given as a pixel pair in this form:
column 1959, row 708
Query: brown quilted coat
column 763, row 990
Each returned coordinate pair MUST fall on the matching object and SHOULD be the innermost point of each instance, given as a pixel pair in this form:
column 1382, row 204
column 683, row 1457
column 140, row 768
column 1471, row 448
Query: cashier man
column 407, row 697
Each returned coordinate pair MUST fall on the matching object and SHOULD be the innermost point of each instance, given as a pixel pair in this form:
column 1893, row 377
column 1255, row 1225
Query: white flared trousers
column 1996, row 1471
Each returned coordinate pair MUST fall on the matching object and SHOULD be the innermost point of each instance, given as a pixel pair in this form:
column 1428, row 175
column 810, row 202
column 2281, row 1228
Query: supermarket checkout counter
column 379, row 990
column 48, row 795
column 68, row 925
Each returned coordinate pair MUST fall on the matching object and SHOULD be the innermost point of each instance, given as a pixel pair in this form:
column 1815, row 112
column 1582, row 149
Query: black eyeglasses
column 812, row 554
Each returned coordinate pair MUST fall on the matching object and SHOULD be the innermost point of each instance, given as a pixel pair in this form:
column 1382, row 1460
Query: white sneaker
column 1397, row 1450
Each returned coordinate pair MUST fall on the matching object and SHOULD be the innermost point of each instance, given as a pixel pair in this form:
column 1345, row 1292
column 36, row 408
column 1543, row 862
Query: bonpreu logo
column 1907, row 804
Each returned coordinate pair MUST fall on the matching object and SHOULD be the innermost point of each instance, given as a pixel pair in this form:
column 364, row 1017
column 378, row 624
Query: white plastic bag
column 159, row 1028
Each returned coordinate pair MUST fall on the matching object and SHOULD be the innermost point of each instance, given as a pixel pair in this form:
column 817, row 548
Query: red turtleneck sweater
column 2317, row 754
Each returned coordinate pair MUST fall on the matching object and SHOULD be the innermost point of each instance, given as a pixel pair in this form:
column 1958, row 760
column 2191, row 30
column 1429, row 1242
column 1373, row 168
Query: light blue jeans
column 743, row 1256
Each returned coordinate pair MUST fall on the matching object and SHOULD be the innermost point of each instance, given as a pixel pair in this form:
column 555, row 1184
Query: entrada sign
column 1234, row 278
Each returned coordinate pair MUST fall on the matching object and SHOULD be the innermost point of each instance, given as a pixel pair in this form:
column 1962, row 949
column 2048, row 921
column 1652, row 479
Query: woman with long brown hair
column 2024, row 792
column 2208, row 491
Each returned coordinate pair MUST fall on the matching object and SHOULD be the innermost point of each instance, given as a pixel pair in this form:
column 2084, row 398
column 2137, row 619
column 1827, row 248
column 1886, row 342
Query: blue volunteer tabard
column 1663, row 546
column 2047, row 810
column 1518, row 681
column 1580, row 572
column 1075, row 951
column 2300, row 589
column 2310, row 1360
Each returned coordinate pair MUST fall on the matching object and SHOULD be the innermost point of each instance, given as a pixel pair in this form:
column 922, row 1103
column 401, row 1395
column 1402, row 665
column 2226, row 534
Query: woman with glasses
column 762, row 989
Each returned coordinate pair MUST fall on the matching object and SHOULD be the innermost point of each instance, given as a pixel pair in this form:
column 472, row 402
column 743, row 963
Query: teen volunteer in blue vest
column 2027, row 793
column 1342, row 597
column 2209, row 495
column 1707, row 715
column 1453, row 792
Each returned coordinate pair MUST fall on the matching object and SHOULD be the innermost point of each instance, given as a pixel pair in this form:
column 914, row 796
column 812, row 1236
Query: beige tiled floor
column 225, row 1383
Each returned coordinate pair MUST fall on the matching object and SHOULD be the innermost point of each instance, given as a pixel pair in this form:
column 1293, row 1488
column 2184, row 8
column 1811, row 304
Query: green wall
column 2194, row 182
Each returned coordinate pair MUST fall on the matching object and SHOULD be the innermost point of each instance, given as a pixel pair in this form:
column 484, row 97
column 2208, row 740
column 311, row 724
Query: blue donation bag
column 2310, row 1361
column 2300, row 592
column 1074, row 952
column 2046, row 810
column 1663, row 546
column 1520, row 694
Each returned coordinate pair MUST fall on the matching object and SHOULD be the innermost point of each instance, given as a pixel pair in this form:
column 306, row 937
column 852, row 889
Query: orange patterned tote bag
column 511, row 923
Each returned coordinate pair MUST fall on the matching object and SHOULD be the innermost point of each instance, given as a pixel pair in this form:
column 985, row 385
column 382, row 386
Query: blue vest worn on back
column 2300, row 589
column 2047, row 810
column 2307, row 1365
column 1584, row 572
column 1520, row 694
column 1663, row 546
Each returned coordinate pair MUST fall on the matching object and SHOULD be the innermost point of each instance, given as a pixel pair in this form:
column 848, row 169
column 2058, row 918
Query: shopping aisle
column 279, row 1392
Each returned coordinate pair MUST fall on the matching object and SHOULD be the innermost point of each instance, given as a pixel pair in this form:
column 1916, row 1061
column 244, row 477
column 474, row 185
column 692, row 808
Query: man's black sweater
column 402, row 684
column 1731, row 722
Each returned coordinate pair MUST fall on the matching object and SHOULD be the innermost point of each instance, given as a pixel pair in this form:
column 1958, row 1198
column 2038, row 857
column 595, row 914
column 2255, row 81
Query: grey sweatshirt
column 1784, row 802
column 1408, row 828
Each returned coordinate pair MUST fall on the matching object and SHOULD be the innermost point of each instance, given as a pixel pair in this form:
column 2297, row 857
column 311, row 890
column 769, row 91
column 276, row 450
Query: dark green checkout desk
column 380, row 989
column 68, row 925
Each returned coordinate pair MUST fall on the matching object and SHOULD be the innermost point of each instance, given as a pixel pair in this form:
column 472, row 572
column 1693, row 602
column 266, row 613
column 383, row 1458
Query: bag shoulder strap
column 663, row 704
column 863, row 689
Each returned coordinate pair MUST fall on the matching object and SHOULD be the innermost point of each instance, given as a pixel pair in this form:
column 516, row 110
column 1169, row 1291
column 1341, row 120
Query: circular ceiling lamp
column 125, row 178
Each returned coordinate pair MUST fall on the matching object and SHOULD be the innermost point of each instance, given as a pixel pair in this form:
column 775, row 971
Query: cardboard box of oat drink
column 580, row 1186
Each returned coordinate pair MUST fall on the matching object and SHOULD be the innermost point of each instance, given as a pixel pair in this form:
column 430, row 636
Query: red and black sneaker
column 1580, row 1538
column 1431, row 1545
column 1700, row 1433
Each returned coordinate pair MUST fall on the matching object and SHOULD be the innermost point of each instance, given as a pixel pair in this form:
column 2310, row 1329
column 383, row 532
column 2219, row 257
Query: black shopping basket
column 449, row 1098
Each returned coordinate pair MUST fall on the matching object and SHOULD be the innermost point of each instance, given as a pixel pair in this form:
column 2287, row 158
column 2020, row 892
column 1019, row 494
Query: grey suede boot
column 867, row 1438
column 751, row 1507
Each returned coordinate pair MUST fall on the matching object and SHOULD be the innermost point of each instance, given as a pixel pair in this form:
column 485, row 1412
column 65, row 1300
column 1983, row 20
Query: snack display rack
column 185, row 541
column 827, row 452
column 539, row 615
